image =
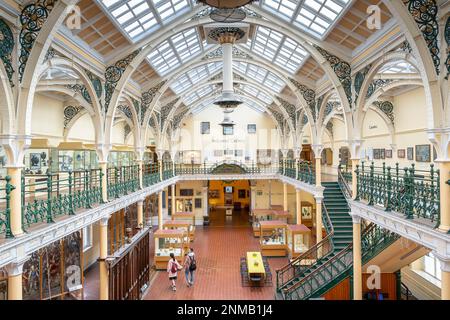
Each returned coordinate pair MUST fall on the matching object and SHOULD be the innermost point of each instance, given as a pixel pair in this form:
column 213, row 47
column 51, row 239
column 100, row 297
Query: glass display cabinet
column 281, row 215
column 259, row 215
column 167, row 242
column 276, row 207
column 273, row 239
column 73, row 156
column 184, row 226
column 120, row 157
column 186, row 217
column 299, row 239
column 38, row 158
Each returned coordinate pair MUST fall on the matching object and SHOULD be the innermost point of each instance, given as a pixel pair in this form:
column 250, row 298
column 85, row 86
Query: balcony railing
column 5, row 209
column 122, row 180
column 45, row 197
column 414, row 193
column 150, row 174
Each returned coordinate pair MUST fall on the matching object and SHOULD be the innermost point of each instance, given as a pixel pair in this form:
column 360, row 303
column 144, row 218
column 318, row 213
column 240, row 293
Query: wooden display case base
column 274, row 252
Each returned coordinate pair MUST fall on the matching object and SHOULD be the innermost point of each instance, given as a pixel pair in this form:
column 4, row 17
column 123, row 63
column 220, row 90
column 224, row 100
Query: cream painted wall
column 82, row 130
column 47, row 119
column 265, row 138
column 410, row 124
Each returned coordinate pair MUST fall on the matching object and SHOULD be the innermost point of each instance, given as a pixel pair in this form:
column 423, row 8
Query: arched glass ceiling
column 314, row 16
column 398, row 67
column 277, row 48
column 247, row 101
column 198, row 94
column 140, row 17
column 176, row 50
column 256, row 93
column 260, row 75
column 194, row 76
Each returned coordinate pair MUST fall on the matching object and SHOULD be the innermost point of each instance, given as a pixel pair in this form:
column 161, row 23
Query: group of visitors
column 190, row 265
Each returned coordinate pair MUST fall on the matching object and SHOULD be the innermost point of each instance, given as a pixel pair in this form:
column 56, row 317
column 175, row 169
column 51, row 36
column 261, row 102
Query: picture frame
column 35, row 161
column 410, row 153
column 423, row 153
column 205, row 128
column 401, row 153
column 241, row 193
column 376, row 154
column 383, row 154
column 198, row 203
column 251, row 128
column 307, row 211
column 214, row 194
column 388, row 154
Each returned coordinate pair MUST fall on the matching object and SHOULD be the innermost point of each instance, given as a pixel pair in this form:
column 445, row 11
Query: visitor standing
column 190, row 265
column 172, row 268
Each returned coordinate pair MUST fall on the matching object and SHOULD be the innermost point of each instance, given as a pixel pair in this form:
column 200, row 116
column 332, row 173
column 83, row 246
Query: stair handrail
column 312, row 254
column 346, row 190
column 344, row 251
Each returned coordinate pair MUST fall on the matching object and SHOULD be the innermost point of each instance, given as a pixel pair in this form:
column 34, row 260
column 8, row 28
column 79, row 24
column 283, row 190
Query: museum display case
column 259, row 215
column 39, row 157
column 184, row 226
column 273, row 238
column 73, row 156
column 281, row 215
column 299, row 239
column 167, row 242
column 121, row 156
column 186, row 216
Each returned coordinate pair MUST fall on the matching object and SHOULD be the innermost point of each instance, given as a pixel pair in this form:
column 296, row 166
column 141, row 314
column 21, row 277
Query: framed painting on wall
column 410, row 153
column 382, row 154
column 388, row 154
column 423, row 153
column 35, row 161
column 241, row 194
column 401, row 153
column 307, row 211
column 376, row 154
column 214, row 194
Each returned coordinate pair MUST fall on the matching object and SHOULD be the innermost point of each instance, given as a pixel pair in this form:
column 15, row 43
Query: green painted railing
column 45, row 197
column 415, row 193
column 298, row 169
column 373, row 240
column 5, row 209
column 168, row 170
column 297, row 267
column 225, row 167
column 122, row 181
column 150, row 174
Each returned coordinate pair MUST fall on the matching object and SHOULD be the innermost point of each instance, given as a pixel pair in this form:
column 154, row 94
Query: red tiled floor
column 92, row 283
column 218, row 250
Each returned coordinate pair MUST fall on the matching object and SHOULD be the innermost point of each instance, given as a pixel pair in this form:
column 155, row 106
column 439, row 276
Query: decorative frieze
column 6, row 49
column 165, row 111
column 377, row 84
column 447, row 39
column 126, row 111
column 308, row 94
column 360, row 76
column 290, row 109
column 147, row 98
column 96, row 83
column 81, row 89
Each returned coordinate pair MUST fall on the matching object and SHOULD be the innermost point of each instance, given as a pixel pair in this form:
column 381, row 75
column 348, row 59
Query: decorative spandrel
column 126, row 110
column 279, row 117
column 330, row 106
column 71, row 112
column 377, row 84
column 342, row 70
column 96, row 83
column 329, row 127
column 178, row 117
column 81, row 89
column 147, row 98
column 447, row 39
column 32, row 19
column 425, row 14
column 290, row 109
column 388, row 109
column 126, row 132
column 51, row 53
column 308, row 94
column 113, row 74
column 6, row 49
column 405, row 47
column 165, row 111
column 359, row 80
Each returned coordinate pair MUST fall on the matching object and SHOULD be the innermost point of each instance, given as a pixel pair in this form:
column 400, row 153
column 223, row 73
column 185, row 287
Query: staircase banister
column 341, row 179
column 344, row 251
column 314, row 248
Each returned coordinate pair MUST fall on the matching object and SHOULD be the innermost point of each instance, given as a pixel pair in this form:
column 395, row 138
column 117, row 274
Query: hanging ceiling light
column 227, row 15
column 226, row 4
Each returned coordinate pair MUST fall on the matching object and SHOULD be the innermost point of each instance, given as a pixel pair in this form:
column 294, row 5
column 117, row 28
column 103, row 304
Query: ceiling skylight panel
column 167, row 9
column 283, row 8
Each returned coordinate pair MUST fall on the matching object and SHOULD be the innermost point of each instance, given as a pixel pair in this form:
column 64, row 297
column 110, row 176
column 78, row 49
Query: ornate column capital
column 139, row 151
column 103, row 151
column 445, row 263
column 355, row 148
column 317, row 148
column 319, row 199
column 284, row 152
column 104, row 221
column 297, row 152
column 15, row 147
column 160, row 153
column 440, row 138
column 15, row 268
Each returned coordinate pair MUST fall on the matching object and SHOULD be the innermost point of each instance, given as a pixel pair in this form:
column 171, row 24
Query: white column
column 205, row 201
column 227, row 49
column 252, row 198
column 104, row 279
column 15, row 270
column 357, row 264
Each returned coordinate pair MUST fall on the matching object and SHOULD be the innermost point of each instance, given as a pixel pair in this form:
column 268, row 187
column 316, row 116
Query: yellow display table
column 255, row 267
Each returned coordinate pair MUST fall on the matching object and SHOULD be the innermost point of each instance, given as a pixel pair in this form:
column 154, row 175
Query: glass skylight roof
column 197, row 95
column 256, row 93
column 194, row 76
column 314, row 16
column 260, row 75
column 137, row 17
column 398, row 67
column 175, row 51
column 277, row 48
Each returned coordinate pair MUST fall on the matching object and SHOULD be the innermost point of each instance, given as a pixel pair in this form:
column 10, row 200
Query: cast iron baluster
column 358, row 184
column 87, row 189
column 101, row 186
column 49, row 198
column 389, row 189
column 371, row 185
column 116, row 182
column 8, row 188
column 408, row 194
column 71, row 210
